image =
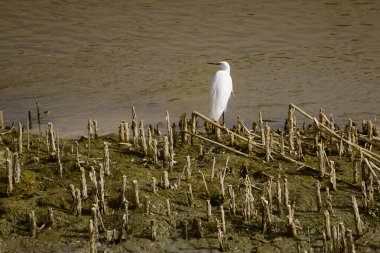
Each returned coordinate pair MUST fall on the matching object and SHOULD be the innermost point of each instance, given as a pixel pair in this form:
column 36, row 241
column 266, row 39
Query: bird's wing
column 232, row 88
column 225, row 92
column 214, row 94
column 214, row 84
column 221, row 87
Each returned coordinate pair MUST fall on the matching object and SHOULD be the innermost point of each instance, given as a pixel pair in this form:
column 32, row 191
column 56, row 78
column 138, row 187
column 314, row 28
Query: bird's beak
column 214, row 63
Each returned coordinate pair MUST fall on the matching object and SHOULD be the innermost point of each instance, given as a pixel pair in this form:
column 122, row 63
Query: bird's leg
column 223, row 119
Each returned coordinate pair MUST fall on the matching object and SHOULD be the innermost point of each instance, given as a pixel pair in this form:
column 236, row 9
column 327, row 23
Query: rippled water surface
column 97, row 59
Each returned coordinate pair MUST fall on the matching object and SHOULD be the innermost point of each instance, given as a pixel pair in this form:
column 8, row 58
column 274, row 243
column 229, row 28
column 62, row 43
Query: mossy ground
column 42, row 187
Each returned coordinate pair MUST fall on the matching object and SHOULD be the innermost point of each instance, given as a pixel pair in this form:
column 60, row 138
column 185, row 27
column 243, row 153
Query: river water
column 96, row 59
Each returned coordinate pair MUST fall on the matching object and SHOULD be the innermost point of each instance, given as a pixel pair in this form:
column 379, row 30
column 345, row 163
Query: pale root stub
column 220, row 92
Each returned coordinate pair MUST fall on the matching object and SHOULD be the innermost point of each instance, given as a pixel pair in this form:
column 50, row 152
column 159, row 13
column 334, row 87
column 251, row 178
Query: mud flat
column 195, row 186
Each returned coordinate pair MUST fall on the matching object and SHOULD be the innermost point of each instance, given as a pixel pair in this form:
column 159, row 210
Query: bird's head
column 223, row 65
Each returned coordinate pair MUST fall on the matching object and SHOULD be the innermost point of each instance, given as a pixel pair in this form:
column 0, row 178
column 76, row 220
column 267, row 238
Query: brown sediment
column 249, row 168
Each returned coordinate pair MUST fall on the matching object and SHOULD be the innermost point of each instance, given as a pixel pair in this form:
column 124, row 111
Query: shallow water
column 96, row 59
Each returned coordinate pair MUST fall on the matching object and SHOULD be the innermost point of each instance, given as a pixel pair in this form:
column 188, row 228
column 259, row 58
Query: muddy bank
column 246, row 174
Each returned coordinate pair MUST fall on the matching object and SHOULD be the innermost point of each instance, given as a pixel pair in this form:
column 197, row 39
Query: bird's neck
column 226, row 70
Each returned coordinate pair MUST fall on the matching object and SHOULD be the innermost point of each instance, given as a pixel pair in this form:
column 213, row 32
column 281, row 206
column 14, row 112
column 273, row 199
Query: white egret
column 220, row 91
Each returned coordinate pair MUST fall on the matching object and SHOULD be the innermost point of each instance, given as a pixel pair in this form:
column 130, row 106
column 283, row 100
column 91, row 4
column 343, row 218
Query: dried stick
column 95, row 128
column 122, row 131
column 124, row 227
column 221, row 237
column 373, row 156
column 59, row 156
column 94, row 185
column 92, row 236
column 154, row 185
column 95, row 218
column 78, row 202
column 268, row 188
column 16, row 168
column 282, row 144
column 155, row 152
column 262, row 131
column 28, row 135
column 241, row 153
column 350, row 242
column 50, row 221
column 89, row 134
column 371, row 168
column 166, row 151
column 153, row 229
column 188, row 168
column 185, row 230
column 10, row 176
column 51, row 139
column 1, row 120
column 136, row 191
column 213, row 168
column 290, row 127
column 324, row 246
column 209, row 208
column 197, row 114
column 190, row 196
column 268, row 148
column 150, row 140
column 106, row 160
column 166, row 185
column 126, row 132
column 142, row 138
column 265, row 216
column 221, row 182
column 223, row 220
column 358, row 222
column 319, row 197
column 332, row 175
column 355, row 165
column 122, row 197
column 218, row 134
column 171, row 149
column 292, row 228
column 370, row 193
column 286, row 192
column 197, row 227
column 218, row 144
column 147, row 205
column 321, row 159
column 205, row 184
column 32, row 224
column 134, row 124
column 342, row 240
column 279, row 195
column 233, row 199
column 335, row 240
column 39, row 119
column 168, row 208
column 329, row 201
column 77, row 154
column 327, row 224
column 250, row 144
column 248, row 204
column 83, row 183
column 20, row 138
column 102, row 203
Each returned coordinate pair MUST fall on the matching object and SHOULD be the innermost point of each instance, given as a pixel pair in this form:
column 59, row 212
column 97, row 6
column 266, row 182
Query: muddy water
column 97, row 59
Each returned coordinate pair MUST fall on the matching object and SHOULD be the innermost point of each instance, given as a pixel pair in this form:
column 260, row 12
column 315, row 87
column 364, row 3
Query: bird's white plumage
column 220, row 91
